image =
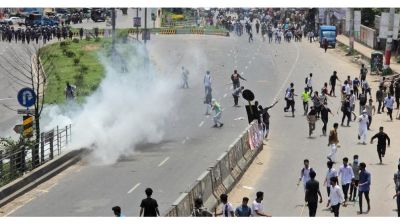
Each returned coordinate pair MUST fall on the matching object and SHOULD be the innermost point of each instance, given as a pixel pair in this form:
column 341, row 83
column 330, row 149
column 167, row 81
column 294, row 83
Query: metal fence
column 23, row 159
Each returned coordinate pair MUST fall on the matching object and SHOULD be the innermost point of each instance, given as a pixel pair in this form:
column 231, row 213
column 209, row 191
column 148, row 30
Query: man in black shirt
column 324, row 116
column 332, row 81
column 312, row 192
column 149, row 205
column 381, row 146
column 379, row 98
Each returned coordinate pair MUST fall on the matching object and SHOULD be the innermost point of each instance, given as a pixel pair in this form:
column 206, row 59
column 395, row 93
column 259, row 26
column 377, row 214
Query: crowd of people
column 35, row 34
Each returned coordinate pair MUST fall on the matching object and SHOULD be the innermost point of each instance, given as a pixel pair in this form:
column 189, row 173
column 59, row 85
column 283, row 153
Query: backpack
column 306, row 81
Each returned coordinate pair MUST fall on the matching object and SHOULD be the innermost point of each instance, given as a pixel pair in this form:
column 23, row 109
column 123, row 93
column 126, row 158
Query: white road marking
column 202, row 122
column 164, row 161
column 247, row 187
column 239, row 118
column 134, row 187
column 225, row 95
column 290, row 72
column 10, row 98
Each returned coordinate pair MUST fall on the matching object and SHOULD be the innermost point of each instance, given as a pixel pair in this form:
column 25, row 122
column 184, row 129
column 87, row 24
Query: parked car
column 14, row 20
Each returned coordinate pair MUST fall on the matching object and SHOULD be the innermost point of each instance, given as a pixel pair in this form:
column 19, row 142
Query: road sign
column 18, row 128
column 137, row 22
column 26, row 97
column 28, row 126
column 26, row 111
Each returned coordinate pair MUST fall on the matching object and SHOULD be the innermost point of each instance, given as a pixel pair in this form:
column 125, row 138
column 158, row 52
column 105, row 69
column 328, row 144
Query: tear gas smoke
column 127, row 109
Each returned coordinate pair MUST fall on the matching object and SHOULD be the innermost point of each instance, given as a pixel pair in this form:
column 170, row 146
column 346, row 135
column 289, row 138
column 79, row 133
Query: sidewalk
column 366, row 51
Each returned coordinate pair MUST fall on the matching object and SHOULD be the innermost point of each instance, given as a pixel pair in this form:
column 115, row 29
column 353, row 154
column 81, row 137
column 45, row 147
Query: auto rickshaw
column 376, row 62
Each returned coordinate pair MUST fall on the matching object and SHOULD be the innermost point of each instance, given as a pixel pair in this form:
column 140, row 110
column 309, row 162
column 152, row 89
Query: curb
column 38, row 176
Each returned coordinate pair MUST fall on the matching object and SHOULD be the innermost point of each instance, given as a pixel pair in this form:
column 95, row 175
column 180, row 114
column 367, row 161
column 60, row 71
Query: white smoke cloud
column 127, row 109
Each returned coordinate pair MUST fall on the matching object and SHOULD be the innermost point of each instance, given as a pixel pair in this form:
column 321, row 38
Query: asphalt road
column 12, row 57
column 277, row 169
column 190, row 145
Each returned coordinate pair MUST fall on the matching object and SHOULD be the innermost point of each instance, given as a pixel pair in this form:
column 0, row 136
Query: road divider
column 223, row 175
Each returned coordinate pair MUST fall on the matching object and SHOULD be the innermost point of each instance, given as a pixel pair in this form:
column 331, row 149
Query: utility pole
column 389, row 40
column 137, row 28
column 351, row 34
column 145, row 25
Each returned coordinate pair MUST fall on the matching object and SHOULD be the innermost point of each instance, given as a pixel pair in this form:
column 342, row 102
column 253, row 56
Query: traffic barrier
column 245, row 146
column 234, row 158
column 221, row 178
column 227, row 179
column 168, row 31
column 172, row 212
column 237, row 150
column 194, row 193
column 182, row 205
column 208, row 197
column 197, row 31
column 218, row 187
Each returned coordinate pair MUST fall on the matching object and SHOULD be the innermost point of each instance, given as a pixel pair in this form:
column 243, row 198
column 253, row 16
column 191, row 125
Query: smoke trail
column 127, row 109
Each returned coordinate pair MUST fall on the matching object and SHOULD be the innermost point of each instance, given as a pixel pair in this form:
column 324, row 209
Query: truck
column 328, row 33
column 39, row 20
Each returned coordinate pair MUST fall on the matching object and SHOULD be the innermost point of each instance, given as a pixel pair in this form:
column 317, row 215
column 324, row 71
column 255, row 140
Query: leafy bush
column 97, row 39
column 76, row 61
column 70, row 54
column 75, row 40
column 84, row 69
column 88, row 38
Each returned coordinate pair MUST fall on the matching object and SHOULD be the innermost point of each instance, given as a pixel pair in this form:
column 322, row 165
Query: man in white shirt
column 226, row 207
column 352, row 100
column 336, row 196
column 389, row 102
column 347, row 88
column 257, row 208
column 363, row 127
column 331, row 173
column 309, row 83
column 347, row 176
column 305, row 173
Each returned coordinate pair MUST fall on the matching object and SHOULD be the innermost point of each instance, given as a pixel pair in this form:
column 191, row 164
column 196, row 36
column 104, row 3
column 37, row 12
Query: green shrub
column 97, row 39
column 88, row 38
column 76, row 61
column 75, row 40
column 70, row 54
column 84, row 69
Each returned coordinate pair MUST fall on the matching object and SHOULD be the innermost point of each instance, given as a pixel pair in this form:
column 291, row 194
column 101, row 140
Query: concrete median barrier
column 218, row 187
column 237, row 150
column 221, row 177
column 182, row 205
column 234, row 159
column 227, row 179
column 171, row 212
column 39, row 175
column 209, row 200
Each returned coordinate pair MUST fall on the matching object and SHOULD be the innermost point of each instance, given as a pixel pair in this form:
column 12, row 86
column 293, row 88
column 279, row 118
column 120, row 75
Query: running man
column 218, row 113
column 305, row 173
column 347, row 176
column 363, row 127
column 333, row 142
column 389, row 103
column 381, row 146
column 325, row 117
